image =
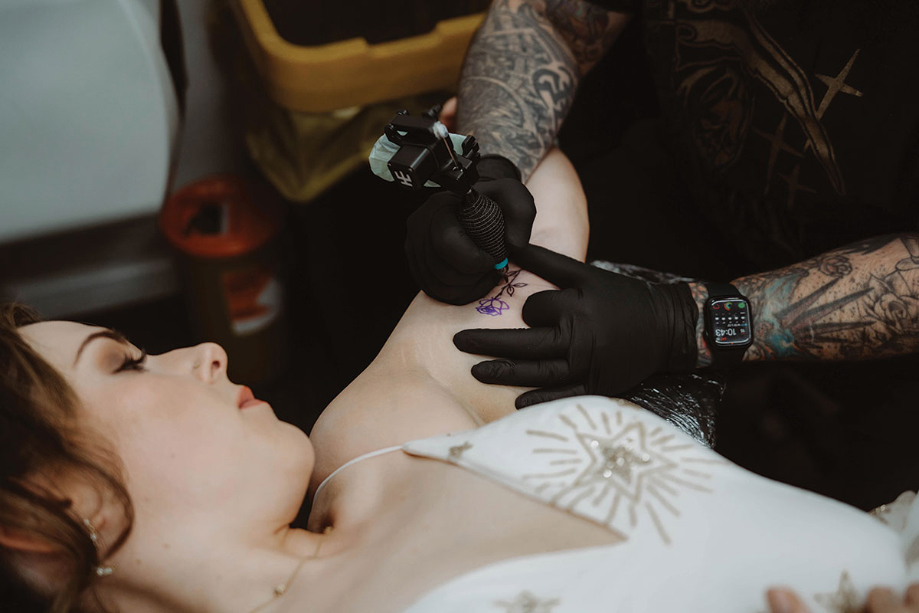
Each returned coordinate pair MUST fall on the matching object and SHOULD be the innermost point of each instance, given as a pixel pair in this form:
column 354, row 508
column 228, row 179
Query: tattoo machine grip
column 420, row 152
column 483, row 221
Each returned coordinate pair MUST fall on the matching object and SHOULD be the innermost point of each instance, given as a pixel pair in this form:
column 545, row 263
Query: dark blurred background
column 845, row 430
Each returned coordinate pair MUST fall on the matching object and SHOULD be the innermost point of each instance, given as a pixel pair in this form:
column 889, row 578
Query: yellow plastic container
column 352, row 72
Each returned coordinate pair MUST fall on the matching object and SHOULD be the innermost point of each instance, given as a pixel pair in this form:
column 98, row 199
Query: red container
column 228, row 257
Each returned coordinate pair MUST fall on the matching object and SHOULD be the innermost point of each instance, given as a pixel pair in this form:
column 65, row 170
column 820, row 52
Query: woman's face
column 189, row 441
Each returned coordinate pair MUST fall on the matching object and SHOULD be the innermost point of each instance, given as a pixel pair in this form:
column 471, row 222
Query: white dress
column 702, row 534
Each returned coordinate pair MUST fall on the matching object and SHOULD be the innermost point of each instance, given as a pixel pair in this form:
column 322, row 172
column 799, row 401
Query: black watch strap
column 716, row 289
column 723, row 357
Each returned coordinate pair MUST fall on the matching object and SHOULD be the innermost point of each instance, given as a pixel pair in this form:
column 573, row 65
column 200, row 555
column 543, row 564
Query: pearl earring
column 93, row 535
column 101, row 571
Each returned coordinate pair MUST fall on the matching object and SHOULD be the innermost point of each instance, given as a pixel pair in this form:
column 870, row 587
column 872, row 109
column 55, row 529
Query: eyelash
column 133, row 363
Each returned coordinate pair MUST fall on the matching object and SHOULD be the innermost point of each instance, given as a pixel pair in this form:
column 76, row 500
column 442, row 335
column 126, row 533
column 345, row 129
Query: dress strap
column 354, row 461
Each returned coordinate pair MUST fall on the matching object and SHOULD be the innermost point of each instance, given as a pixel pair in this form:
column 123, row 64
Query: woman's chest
column 724, row 564
column 455, row 523
column 696, row 523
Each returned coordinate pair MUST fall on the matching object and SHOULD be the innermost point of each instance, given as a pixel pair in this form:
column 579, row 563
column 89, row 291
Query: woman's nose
column 210, row 362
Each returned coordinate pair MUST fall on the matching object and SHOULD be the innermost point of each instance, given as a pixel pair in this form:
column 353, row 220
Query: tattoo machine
column 420, row 152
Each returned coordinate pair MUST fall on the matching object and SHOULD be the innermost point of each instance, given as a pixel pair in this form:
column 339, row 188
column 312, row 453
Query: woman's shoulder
column 382, row 409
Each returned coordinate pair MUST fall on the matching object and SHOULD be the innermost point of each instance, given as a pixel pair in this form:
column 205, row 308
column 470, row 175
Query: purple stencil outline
column 494, row 306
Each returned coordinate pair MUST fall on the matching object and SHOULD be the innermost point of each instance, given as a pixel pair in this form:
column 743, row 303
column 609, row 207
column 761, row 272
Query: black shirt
column 795, row 126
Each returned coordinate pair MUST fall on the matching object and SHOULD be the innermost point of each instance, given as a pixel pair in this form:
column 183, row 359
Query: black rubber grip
column 484, row 223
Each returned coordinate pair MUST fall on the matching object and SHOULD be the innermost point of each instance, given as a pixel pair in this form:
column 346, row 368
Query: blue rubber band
column 500, row 265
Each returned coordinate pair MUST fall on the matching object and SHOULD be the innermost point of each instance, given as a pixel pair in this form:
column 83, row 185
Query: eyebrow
column 115, row 336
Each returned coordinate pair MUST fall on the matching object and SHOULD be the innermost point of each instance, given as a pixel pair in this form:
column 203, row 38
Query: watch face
column 729, row 322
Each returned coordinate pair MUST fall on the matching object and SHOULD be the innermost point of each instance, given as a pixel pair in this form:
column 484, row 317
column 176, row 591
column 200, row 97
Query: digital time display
column 730, row 322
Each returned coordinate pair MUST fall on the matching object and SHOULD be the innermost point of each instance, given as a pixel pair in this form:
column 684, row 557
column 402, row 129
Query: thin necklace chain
column 281, row 588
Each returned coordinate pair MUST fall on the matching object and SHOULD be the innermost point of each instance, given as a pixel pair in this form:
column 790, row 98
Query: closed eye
column 133, row 363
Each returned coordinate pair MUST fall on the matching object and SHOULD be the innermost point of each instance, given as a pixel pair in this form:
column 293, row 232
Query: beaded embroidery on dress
column 603, row 463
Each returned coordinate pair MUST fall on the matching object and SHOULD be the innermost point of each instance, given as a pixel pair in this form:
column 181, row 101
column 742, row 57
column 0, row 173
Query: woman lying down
column 144, row 484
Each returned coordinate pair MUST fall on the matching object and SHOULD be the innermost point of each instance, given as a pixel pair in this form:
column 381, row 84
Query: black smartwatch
column 728, row 324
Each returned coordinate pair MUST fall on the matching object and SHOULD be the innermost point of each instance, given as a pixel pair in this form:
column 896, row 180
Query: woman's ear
column 22, row 541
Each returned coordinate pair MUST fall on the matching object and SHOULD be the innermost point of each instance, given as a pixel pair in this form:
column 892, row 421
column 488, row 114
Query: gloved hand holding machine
column 463, row 233
column 603, row 332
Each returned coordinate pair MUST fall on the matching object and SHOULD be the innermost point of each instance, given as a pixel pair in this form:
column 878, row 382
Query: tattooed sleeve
column 857, row 302
column 522, row 70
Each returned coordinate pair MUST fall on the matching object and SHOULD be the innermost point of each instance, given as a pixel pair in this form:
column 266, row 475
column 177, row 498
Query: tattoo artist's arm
column 522, row 70
column 857, row 302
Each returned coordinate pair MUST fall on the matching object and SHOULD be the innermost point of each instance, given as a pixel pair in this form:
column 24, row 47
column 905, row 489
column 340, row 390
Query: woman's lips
column 246, row 398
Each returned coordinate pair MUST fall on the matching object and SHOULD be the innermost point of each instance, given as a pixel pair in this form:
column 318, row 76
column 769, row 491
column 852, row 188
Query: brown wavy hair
column 40, row 440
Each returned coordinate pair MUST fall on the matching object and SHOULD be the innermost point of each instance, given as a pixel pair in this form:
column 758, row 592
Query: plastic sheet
column 687, row 400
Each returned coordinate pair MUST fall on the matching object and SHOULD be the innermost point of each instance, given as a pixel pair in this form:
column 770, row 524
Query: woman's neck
column 197, row 573
column 203, row 570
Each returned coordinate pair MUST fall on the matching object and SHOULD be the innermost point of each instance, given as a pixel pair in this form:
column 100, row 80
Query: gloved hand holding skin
column 600, row 333
column 443, row 259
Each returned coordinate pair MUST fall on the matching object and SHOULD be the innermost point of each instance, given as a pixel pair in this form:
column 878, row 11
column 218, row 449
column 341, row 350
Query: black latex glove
column 445, row 262
column 601, row 333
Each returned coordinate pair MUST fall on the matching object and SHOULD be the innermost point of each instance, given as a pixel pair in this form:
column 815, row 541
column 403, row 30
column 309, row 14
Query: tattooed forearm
column 857, row 302
column 522, row 71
